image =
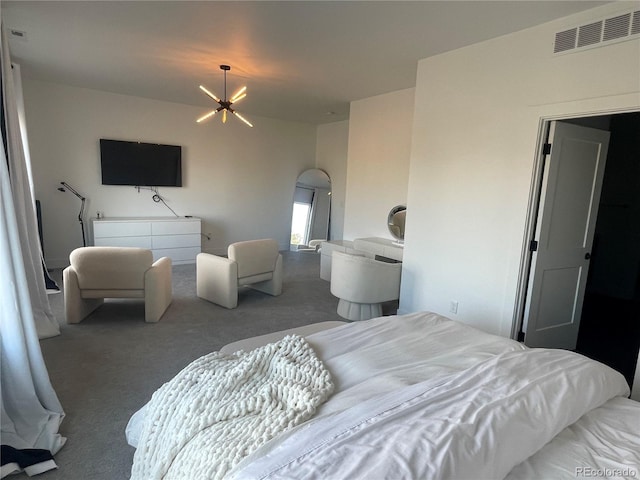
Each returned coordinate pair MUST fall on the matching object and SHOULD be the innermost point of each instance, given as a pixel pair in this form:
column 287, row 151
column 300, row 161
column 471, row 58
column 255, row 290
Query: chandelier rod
column 225, row 68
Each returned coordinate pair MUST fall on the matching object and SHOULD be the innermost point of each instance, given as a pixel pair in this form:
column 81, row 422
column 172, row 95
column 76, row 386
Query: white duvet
column 604, row 443
column 478, row 423
column 421, row 396
column 370, row 358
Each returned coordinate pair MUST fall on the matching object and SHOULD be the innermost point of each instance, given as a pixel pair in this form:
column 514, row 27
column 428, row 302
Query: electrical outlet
column 453, row 308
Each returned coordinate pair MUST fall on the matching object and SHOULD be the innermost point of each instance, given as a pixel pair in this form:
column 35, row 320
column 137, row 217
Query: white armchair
column 254, row 263
column 96, row 273
column 362, row 284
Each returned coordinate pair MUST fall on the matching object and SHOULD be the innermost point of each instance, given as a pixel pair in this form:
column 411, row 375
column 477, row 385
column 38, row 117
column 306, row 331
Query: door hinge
column 533, row 246
column 521, row 336
column 546, row 149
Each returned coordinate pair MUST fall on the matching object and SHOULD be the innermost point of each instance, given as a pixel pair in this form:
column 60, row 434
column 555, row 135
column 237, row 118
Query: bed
column 421, row 396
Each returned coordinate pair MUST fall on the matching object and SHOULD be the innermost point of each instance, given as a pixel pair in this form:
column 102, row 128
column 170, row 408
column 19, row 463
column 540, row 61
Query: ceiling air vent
column 599, row 33
column 589, row 34
column 565, row 40
column 635, row 23
column 616, row 27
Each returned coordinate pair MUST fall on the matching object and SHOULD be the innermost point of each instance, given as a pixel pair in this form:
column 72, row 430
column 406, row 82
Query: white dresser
column 174, row 237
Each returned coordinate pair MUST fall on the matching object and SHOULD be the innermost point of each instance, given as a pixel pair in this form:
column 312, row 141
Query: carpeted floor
column 107, row 367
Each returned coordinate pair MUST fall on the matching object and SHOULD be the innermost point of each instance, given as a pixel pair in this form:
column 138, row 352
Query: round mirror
column 311, row 210
column 395, row 222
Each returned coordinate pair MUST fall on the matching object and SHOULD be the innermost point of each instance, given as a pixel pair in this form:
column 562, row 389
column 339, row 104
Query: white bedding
column 377, row 362
column 377, row 356
column 604, row 443
column 478, row 423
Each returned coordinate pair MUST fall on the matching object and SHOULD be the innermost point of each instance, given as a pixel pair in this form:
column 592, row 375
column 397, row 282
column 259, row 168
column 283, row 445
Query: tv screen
column 140, row 164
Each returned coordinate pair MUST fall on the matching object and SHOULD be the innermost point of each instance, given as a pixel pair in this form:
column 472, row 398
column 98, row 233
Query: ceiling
column 302, row 61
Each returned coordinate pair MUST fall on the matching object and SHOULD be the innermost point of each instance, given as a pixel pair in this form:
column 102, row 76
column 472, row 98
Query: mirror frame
column 320, row 221
column 393, row 228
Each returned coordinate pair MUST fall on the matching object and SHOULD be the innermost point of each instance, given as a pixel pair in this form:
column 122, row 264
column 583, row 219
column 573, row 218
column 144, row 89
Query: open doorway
column 607, row 305
column 610, row 324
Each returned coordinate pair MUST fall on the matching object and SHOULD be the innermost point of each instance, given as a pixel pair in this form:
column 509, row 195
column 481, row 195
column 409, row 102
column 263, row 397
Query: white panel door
column 569, row 199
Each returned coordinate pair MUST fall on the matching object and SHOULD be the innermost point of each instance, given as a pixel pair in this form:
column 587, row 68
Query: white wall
column 476, row 121
column 378, row 162
column 331, row 156
column 239, row 180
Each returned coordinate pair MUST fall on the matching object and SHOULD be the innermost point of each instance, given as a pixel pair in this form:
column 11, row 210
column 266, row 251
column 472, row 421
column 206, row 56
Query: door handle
column 587, row 256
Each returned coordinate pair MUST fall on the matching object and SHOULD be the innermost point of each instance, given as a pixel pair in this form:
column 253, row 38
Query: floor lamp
column 66, row 186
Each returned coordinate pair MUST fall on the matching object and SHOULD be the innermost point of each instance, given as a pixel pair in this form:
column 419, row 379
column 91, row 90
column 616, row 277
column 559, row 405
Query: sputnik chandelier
column 225, row 105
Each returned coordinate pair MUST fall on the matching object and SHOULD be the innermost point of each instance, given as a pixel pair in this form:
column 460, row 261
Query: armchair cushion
column 254, row 257
column 96, row 273
column 105, row 268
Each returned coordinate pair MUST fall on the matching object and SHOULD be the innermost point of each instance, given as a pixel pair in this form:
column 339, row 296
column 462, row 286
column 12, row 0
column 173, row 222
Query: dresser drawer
column 140, row 242
column 103, row 228
column 175, row 241
column 177, row 227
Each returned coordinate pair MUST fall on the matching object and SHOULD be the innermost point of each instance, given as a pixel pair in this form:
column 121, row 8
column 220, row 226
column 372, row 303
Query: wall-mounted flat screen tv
column 140, row 164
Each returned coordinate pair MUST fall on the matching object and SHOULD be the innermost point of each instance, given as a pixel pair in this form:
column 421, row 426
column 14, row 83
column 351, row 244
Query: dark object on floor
column 32, row 460
column 51, row 286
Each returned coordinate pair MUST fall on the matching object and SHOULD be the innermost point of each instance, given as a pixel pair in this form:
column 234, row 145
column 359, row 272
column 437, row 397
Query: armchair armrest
column 76, row 308
column 158, row 293
column 217, row 279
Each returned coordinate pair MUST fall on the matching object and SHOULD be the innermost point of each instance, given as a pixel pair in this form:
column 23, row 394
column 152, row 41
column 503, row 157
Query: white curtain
column 24, row 203
column 31, row 412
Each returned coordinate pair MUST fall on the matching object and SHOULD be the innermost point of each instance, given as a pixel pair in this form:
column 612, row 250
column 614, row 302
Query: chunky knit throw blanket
column 220, row 408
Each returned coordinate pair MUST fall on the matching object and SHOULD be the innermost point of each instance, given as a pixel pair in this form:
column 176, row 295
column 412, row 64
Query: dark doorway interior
column 610, row 325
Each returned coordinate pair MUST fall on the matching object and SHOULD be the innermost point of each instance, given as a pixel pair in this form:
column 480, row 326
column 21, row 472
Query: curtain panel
column 31, row 411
